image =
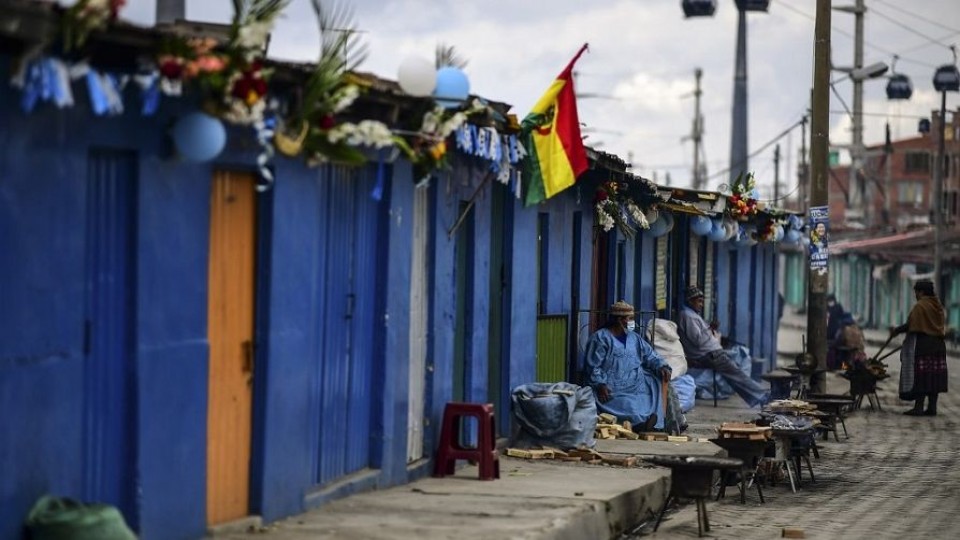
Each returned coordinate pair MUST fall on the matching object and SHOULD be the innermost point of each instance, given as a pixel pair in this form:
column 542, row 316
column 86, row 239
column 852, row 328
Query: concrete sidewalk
column 533, row 499
column 572, row 501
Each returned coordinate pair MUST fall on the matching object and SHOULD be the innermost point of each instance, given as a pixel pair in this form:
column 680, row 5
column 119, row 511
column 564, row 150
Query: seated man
column 625, row 372
column 704, row 351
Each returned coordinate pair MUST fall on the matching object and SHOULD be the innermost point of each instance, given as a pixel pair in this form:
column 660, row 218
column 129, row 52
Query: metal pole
column 858, row 200
column 171, row 11
column 697, row 134
column 803, row 173
column 776, row 175
column 819, row 135
column 888, row 181
column 738, row 136
column 938, row 201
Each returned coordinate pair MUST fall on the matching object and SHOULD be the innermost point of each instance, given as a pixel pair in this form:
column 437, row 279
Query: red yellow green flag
column 551, row 136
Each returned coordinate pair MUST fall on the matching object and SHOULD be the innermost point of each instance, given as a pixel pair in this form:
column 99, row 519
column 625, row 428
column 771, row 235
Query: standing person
column 834, row 317
column 702, row 347
column 625, row 372
column 924, row 354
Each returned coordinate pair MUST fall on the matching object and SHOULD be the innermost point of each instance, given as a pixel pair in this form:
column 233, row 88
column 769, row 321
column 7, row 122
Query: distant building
column 911, row 184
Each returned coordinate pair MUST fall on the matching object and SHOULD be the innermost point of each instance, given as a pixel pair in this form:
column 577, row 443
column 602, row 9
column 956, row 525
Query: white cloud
column 643, row 53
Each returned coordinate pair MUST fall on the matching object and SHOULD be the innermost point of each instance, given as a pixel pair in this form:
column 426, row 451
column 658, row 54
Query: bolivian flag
column 551, row 136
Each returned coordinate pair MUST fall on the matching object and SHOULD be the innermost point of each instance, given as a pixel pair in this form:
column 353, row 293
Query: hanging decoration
column 452, row 88
column 613, row 207
column 701, row 225
column 504, row 152
column 426, row 147
column 717, row 231
column 199, row 137
column 85, row 17
column 232, row 78
column 742, row 203
column 417, row 76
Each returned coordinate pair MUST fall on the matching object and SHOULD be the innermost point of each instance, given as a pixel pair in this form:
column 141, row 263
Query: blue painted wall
column 42, row 215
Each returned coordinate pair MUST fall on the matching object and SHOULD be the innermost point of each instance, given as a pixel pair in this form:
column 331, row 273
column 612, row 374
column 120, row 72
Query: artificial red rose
column 327, row 122
column 171, row 69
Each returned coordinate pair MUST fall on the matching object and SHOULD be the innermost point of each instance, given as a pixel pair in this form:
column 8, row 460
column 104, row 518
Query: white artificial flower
column 254, row 35
column 637, row 215
column 345, row 97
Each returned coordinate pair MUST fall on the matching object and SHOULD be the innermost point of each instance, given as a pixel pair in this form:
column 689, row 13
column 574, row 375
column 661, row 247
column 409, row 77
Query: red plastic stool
column 450, row 449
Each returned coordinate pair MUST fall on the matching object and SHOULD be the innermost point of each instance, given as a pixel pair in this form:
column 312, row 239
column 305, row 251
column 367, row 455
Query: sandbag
column 666, row 341
column 59, row 518
column 560, row 415
column 686, row 389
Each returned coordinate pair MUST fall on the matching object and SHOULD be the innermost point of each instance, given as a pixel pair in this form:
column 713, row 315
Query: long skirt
column 923, row 367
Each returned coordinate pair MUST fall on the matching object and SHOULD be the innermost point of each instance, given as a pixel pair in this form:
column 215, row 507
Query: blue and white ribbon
column 44, row 79
column 104, row 91
column 149, row 84
column 264, row 129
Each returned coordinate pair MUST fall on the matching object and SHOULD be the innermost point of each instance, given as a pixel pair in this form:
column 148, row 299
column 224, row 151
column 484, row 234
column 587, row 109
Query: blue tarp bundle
column 704, row 377
column 560, row 415
column 686, row 389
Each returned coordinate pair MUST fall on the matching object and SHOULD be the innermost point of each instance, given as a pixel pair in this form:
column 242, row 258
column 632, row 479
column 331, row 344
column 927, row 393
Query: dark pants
column 750, row 390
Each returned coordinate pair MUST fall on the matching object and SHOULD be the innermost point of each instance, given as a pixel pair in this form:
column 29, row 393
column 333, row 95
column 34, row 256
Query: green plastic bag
column 59, row 518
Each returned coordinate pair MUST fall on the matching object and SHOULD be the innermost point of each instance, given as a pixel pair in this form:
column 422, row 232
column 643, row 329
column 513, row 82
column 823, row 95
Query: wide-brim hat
column 621, row 309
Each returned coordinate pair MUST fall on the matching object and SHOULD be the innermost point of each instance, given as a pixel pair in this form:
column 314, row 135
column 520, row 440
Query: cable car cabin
column 753, row 5
column 899, row 87
column 924, row 125
column 699, row 8
column 947, row 79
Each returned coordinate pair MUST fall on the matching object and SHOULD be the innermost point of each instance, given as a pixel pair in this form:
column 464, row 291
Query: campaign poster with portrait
column 819, row 223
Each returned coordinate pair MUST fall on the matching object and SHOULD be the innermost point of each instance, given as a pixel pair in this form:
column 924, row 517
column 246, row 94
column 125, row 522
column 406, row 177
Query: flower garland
column 233, row 78
column 614, row 208
column 742, row 204
column 87, row 16
column 426, row 148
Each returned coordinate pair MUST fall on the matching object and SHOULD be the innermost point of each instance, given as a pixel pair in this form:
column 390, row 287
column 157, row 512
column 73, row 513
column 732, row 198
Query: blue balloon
column 199, row 137
column 791, row 236
column 657, row 228
column 701, row 225
column 453, row 87
column 717, row 232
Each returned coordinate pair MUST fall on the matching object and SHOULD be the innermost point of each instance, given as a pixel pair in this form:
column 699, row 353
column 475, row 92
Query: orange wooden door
column 230, row 332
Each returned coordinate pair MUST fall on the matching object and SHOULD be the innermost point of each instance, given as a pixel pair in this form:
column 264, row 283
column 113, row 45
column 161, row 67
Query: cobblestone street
column 894, row 477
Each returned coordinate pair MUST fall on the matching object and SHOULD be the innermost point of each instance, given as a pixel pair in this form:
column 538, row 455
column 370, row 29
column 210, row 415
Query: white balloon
column 417, row 76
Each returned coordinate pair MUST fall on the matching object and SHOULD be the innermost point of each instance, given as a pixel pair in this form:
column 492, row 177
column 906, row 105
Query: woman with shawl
column 924, row 354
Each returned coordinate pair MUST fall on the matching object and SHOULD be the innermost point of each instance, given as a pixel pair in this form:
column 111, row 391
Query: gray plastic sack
column 560, row 415
column 59, row 518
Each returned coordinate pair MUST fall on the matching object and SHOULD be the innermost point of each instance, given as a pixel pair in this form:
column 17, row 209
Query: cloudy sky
column 637, row 78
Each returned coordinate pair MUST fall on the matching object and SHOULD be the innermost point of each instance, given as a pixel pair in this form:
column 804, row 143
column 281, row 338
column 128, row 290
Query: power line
column 910, row 29
column 874, row 46
column 882, row 115
column 756, row 152
column 915, row 15
column 928, row 43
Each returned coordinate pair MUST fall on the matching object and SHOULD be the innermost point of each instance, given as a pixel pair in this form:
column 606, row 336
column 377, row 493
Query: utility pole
column 802, row 172
column 856, row 212
column 776, row 175
column 938, row 200
column 697, row 134
column 738, row 140
column 888, row 180
column 819, row 144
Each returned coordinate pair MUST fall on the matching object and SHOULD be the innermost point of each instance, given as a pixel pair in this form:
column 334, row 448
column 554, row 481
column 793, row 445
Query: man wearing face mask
column 625, row 372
